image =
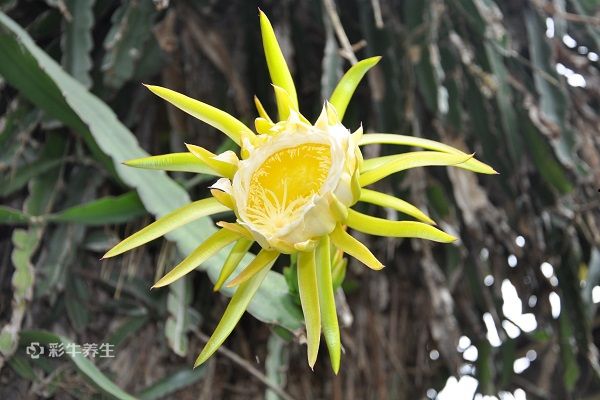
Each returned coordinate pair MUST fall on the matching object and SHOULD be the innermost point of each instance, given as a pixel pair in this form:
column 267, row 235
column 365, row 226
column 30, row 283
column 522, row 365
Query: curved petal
column 264, row 259
column 235, row 309
column 331, row 328
column 221, row 120
column 284, row 102
column 347, row 85
column 236, row 254
column 167, row 223
column 222, row 167
column 414, row 159
column 385, row 200
column 309, row 298
column 183, row 162
column 349, row 245
column 207, row 249
column 383, row 227
column 278, row 69
column 261, row 110
column 386, row 138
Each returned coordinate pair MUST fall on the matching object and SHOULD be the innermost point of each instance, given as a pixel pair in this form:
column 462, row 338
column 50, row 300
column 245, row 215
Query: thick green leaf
column 276, row 364
column 11, row 216
column 11, row 182
column 177, row 325
column 106, row 210
column 124, row 43
column 77, row 40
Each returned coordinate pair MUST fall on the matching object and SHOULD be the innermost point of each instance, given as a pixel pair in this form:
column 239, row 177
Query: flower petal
column 331, row 328
column 235, row 227
column 284, row 102
column 235, row 309
column 309, row 298
column 207, row 249
column 221, row 120
column 261, row 110
column 386, row 138
column 383, row 227
column 184, row 162
column 413, row 159
column 349, row 245
column 347, row 85
column 236, row 254
column 385, row 200
column 278, row 69
column 224, row 168
column 264, row 259
column 167, row 223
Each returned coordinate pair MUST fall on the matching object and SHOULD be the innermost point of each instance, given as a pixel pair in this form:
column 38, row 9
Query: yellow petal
column 383, row 227
column 221, row 120
column 345, row 88
column 349, row 245
column 235, row 227
column 222, row 167
column 309, row 298
column 207, row 249
column 284, row 102
column 261, row 110
column 184, row 162
column 331, row 328
column 236, row 254
column 414, row 159
column 385, row 200
column 278, row 69
column 235, row 309
column 263, row 126
column 167, row 223
column 385, row 138
column 264, row 259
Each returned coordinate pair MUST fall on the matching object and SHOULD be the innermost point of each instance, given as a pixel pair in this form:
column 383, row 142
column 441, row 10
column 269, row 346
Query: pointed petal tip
column 108, row 254
column 231, row 284
column 374, row 60
column 198, row 362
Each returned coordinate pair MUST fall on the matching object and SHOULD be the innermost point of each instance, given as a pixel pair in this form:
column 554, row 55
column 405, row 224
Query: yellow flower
column 291, row 192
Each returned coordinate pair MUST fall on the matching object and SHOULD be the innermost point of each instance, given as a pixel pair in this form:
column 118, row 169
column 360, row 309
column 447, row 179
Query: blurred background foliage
column 508, row 311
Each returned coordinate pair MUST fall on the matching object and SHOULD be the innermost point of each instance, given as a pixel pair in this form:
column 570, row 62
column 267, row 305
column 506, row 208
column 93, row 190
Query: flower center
column 286, row 180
